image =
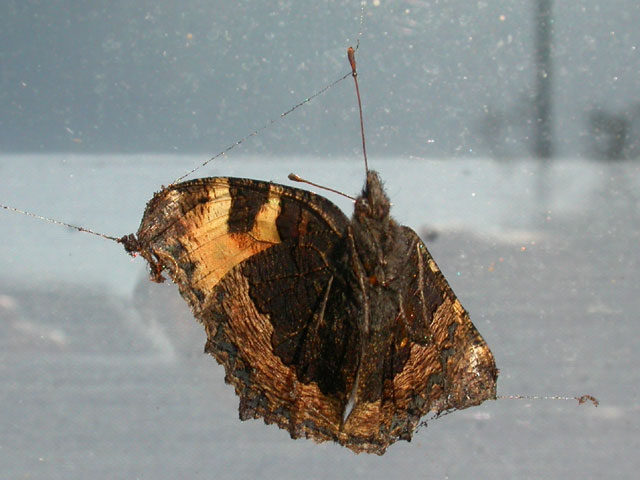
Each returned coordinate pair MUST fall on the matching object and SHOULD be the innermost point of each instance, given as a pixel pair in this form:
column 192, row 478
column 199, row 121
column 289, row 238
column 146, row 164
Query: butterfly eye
column 362, row 205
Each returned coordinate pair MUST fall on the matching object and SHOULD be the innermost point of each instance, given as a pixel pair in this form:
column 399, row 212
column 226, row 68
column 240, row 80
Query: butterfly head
column 373, row 203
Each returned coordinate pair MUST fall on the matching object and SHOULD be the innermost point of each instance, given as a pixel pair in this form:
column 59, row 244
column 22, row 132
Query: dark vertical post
column 543, row 124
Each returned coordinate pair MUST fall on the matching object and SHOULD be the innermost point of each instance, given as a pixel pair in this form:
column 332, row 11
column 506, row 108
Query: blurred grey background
column 506, row 132
column 440, row 78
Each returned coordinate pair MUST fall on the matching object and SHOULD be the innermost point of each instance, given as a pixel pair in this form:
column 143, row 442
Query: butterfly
column 332, row 328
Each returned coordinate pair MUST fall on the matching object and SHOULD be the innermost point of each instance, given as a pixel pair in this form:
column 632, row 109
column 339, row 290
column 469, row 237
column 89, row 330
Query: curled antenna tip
column 351, row 55
column 581, row 400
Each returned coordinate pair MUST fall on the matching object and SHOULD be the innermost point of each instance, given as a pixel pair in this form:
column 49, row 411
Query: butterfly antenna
column 296, row 178
column 63, row 224
column 351, row 55
column 295, row 107
column 257, row 131
column 582, row 399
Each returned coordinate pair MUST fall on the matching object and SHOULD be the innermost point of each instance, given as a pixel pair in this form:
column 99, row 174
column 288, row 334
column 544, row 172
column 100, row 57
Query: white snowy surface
column 102, row 372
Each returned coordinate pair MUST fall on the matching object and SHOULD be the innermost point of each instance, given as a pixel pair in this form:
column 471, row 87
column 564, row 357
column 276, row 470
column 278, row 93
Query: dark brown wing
column 446, row 364
column 435, row 359
column 258, row 264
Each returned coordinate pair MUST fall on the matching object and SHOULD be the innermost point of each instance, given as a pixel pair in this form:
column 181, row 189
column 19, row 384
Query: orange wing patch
column 186, row 231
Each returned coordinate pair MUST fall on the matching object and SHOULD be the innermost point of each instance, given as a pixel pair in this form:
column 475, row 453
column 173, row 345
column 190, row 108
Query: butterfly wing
column 430, row 359
column 259, row 265
column 449, row 365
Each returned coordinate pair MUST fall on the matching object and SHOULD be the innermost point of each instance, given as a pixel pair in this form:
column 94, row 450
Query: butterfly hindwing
column 449, row 365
